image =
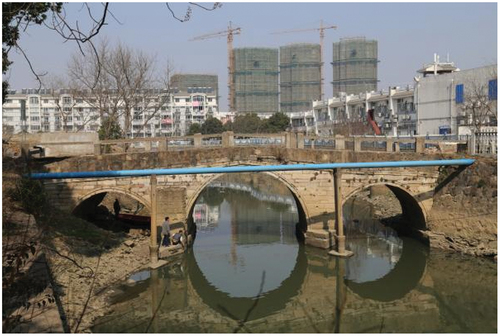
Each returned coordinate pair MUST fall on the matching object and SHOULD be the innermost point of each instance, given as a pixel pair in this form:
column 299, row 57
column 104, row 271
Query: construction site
column 195, row 83
column 262, row 82
column 255, row 79
column 354, row 66
column 300, row 76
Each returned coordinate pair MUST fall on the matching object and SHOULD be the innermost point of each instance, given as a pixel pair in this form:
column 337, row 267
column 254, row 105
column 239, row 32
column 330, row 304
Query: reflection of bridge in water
column 261, row 196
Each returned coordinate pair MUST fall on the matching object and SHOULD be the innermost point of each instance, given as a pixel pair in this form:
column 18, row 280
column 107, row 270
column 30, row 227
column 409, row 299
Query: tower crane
column 321, row 30
column 230, row 32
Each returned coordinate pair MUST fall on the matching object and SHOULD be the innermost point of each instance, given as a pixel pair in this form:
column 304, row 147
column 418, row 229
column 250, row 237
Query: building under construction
column 355, row 66
column 300, row 76
column 195, row 83
column 255, row 79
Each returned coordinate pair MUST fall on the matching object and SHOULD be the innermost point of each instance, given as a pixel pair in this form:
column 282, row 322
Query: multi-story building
column 448, row 99
column 256, row 80
column 392, row 111
column 354, row 66
column 300, row 76
column 157, row 113
column 48, row 111
column 445, row 101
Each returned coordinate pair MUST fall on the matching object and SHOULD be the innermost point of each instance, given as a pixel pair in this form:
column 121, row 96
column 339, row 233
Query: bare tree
column 479, row 102
column 127, row 85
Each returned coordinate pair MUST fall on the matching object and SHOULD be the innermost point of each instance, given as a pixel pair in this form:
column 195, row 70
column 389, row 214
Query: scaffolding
column 195, row 83
column 300, row 76
column 256, row 80
column 354, row 66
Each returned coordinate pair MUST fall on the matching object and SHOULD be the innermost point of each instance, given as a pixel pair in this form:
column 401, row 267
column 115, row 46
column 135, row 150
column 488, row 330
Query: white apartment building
column 393, row 112
column 438, row 104
column 158, row 114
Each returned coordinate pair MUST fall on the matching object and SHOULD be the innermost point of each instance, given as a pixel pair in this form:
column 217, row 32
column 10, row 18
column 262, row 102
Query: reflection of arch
column 412, row 209
column 114, row 190
column 406, row 275
column 302, row 209
column 269, row 303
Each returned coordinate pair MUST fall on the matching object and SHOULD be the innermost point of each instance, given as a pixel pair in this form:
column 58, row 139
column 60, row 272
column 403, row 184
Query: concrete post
column 471, row 144
column 97, row 149
column 339, row 142
column 228, row 139
column 339, row 223
column 153, row 247
column 419, row 144
column 147, row 146
column 300, row 140
column 162, row 145
column 291, row 139
column 388, row 145
column 357, row 144
column 197, row 140
column 396, row 147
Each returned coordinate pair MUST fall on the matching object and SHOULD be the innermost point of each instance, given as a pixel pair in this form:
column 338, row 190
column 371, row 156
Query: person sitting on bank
column 178, row 238
column 165, row 232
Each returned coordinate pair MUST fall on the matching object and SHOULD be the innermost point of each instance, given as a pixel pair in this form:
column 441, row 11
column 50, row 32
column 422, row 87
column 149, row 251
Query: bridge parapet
column 285, row 140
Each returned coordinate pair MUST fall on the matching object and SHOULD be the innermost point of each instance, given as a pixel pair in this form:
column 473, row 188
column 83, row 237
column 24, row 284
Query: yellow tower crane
column 321, row 30
column 230, row 32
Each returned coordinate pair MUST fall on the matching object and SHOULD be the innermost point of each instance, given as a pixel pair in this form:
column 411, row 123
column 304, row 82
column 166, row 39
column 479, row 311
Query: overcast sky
column 408, row 35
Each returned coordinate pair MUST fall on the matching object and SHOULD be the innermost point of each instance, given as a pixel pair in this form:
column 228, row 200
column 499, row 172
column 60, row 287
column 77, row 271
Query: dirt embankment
column 67, row 266
column 85, row 273
column 463, row 217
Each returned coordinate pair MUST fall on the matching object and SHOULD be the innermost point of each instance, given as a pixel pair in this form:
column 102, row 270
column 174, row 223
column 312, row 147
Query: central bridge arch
column 303, row 211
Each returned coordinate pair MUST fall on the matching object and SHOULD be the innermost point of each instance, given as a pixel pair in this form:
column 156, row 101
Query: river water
column 246, row 272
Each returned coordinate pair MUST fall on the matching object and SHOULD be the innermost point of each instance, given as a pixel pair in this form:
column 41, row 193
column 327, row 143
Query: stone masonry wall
column 461, row 213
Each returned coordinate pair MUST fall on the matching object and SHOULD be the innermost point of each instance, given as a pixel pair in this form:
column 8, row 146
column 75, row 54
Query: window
column 67, row 109
column 45, row 101
column 459, row 94
column 66, row 100
column 492, row 89
column 46, row 128
column 69, row 119
column 177, row 100
column 35, row 127
column 33, row 100
column 34, row 118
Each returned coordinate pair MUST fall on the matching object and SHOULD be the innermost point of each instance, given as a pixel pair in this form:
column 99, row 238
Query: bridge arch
column 413, row 210
column 131, row 194
column 301, row 204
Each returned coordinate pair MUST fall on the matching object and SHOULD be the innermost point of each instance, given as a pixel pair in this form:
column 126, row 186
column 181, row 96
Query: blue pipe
column 245, row 169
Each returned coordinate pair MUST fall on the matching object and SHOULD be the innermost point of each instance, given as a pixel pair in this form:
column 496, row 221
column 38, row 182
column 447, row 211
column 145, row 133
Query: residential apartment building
column 154, row 113
column 443, row 101
column 393, row 112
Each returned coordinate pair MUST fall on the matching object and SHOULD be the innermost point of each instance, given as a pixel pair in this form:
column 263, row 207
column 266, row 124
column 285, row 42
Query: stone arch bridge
column 313, row 190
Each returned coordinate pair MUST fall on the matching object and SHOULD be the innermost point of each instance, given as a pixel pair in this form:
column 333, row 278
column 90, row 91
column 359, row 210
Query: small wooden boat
column 135, row 218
